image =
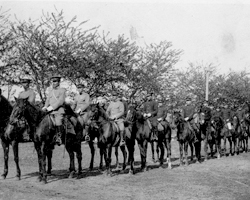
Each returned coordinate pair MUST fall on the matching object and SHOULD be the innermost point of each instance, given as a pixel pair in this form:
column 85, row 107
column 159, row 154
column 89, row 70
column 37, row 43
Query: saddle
column 115, row 126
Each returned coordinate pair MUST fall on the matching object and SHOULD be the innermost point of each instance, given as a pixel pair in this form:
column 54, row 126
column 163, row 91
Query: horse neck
column 32, row 114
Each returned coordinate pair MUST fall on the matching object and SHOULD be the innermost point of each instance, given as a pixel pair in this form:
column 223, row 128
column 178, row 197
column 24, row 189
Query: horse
column 9, row 139
column 245, row 134
column 217, row 126
column 43, row 128
column 228, row 134
column 185, row 137
column 237, row 134
column 108, row 136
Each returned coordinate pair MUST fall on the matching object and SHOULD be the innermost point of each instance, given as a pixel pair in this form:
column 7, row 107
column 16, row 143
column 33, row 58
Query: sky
column 216, row 32
column 208, row 32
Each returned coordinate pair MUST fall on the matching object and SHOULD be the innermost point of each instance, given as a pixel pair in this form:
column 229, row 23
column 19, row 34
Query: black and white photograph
column 125, row 100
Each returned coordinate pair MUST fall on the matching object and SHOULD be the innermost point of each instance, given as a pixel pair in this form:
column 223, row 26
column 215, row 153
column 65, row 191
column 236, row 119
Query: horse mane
column 35, row 113
column 5, row 110
column 102, row 112
column 4, row 103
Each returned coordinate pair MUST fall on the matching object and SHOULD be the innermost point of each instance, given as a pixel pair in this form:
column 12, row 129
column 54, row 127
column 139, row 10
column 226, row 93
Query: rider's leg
column 122, row 131
column 59, row 128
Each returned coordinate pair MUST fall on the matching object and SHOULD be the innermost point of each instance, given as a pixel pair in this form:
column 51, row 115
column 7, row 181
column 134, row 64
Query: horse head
column 97, row 113
column 178, row 121
column 18, row 110
column 131, row 114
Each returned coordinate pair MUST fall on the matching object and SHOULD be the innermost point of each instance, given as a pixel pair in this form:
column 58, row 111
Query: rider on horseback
column 150, row 110
column 227, row 118
column 55, row 105
column 187, row 113
column 28, row 92
column 161, row 115
column 115, row 111
column 207, row 119
column 82, row 102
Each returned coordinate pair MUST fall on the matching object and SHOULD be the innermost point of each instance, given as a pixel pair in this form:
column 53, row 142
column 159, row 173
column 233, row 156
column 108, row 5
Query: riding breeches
column 58, row 119
column 120, row 124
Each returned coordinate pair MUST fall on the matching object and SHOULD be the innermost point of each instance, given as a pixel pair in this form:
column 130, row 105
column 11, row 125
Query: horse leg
column 5, row 146
column 218, row 146
column 197, row 147
column 192, row 150
column 211, row 146
column 16, row 159
column 92, row 151
column 142, row 152
column 79, row 159
column 72, row 161
column 186, row 152
column 205, row 148
column 131, row 149
column 181, row 153
column 230, row 144
column 49, row 159
column 108, row 159
column 101, row 157
column 225, row 148
column 39, row 156
column 43, row 163
column 124, row 153
column 153, row 150
column 117, row 159
column 168, row 147
column 246, row 141
column 161, row 147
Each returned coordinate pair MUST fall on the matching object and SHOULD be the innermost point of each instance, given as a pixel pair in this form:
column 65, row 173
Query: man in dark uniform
column 206, row 110
column 161, row 115
column 227, row 118
column 150, row 109
column 54, row 104
column 28, row 92
column 187, row 112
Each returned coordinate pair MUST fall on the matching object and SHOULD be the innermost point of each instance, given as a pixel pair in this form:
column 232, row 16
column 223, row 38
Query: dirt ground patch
column 227, row 178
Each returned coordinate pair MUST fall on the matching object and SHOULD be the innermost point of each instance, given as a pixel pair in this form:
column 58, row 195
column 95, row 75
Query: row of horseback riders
column 154, row 110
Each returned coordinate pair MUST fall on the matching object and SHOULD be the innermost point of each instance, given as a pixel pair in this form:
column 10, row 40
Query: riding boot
column 87, row 137
column 195, row 136
column 58, row 136
column 122, row 141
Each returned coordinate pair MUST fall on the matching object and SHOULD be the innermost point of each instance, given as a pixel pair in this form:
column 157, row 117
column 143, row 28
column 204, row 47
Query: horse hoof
column 131, row 172
column 90, row 168
column 186, row 164
column 170, row 166
column 39, row 179
column 18, row 178
column 71, row 174
column 218, row 157
column 3, row 177
column 206, row 160
column 44, row 181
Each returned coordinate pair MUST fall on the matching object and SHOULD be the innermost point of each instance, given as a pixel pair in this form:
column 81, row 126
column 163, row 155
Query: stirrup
column 58, row 139
column 122, row 143
column 87, row 138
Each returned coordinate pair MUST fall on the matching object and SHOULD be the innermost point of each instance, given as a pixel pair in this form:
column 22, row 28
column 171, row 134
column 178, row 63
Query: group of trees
column 82, row 55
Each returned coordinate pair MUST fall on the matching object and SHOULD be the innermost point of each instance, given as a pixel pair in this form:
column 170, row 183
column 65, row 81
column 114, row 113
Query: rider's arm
column 155, row 109
column 60, row 101
column 120, row 111
column 32, row 97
